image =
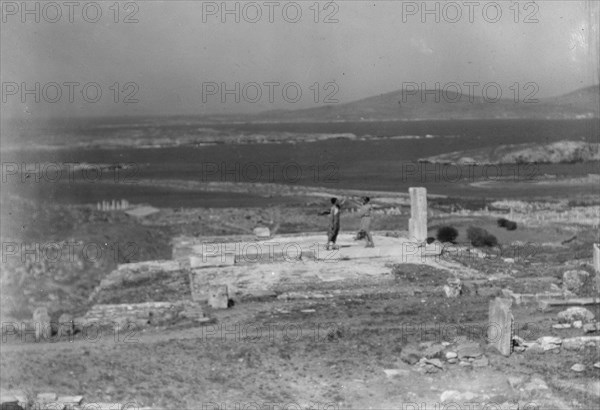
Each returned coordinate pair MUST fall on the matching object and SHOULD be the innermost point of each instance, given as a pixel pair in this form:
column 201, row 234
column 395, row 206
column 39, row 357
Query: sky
column 193, row 57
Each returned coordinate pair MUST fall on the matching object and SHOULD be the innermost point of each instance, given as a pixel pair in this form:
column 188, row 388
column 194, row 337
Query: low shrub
column 505, row 223
column 480, row 237
column 447, row 234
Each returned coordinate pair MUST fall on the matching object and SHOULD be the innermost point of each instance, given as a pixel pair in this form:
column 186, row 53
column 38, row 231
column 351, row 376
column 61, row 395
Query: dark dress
column 334, row 224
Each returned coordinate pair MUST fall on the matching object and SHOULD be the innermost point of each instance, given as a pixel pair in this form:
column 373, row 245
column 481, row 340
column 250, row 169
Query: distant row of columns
column 113, row 205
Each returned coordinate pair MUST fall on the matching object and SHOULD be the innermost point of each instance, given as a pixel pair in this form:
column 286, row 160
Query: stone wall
column 150, row 281
column 141, row 314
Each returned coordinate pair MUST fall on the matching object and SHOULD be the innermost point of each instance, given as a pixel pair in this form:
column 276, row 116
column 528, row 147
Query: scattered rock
column 262, row 232
column 454, row 288
column 533, row 347
column 435, row 362
column 481, row 362
column 66, row 323
column 578, row 367
column 396, row 372
column 591, row 327
column 515, row 381
column 468, row 350
column 410, row 355
column 597, row 365
column 576, row 343
column 573, row 280
column 434, row 351
column 455, row 396
column 575, row 313
column 449, row 395
column 451, row 355
column 535, row 384
column 452, row 361
column 549, row 342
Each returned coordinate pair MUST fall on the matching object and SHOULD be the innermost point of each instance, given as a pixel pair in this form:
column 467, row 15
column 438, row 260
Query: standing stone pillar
column 597, row 265
column 417, row 224
column 500, row 325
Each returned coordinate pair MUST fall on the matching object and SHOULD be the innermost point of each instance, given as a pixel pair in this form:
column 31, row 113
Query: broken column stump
column 41, row 321
column 218, row 297
column 500, row 325
column 417, row 224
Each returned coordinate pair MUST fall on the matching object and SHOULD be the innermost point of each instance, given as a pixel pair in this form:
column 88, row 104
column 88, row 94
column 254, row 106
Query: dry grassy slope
column 64, row 284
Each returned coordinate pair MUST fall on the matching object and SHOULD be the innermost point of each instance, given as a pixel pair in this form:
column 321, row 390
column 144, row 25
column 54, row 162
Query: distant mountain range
column 426, row 105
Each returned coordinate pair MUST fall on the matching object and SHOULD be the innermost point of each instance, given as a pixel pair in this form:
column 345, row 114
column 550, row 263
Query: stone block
column 262, row 232
column 66, row 324
column 218, row 297
column 500, row 325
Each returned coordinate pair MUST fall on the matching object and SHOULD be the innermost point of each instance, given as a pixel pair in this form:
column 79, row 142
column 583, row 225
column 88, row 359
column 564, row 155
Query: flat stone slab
column 142, row 211
column 204, row 261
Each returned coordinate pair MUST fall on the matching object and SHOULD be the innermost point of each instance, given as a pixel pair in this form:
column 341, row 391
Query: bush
column 446, row 234
column 505, row 223
column 481, row 237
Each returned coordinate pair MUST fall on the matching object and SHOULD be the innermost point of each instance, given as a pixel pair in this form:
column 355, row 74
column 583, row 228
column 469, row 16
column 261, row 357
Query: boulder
column 578, row 367
column 434, row 351
column 575, row 313
column 573, row 280
column 410, row 355
column 262, row 232
column 469, row 350
column 549, row 342
column 454, row 288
